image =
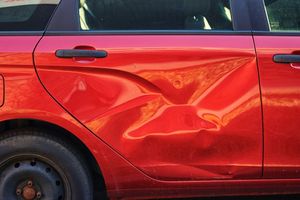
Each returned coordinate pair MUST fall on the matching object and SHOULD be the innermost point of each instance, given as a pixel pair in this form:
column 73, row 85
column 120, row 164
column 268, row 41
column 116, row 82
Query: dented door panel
column 176, row 107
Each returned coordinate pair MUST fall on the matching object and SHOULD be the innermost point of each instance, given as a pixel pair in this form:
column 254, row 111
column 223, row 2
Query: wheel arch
column 60, row 132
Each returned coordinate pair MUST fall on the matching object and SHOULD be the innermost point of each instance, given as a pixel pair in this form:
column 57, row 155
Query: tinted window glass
column 284, row 15
column 155, row 15
column 25, row 15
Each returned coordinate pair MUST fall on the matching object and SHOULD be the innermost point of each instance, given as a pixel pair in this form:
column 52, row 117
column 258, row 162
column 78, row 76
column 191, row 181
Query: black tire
column 33, row 162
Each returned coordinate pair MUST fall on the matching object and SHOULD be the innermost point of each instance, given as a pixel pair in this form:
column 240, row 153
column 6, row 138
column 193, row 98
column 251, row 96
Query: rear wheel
column 37, row 166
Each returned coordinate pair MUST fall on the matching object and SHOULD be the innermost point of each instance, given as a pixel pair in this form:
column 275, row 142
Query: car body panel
column 2, row 91
column 26, row 98
column 280, row 85
column 122, row 179
column 165, row 116
column 176, row 107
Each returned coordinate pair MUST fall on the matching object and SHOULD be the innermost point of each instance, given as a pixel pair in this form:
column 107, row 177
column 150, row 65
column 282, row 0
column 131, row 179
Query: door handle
column 286, row 58
column 79, row 53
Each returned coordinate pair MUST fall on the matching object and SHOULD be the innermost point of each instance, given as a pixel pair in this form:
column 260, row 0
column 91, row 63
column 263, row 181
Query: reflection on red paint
column 165, row 112
column 176, row 107
column 281, row 104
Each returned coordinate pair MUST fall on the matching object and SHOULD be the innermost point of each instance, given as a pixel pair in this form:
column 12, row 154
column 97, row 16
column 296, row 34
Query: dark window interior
column 32, row 17
column 155, row 15
column 284, row 15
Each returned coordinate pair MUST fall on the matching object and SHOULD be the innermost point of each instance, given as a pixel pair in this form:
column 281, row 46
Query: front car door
column 172, row 86
column 278, row 49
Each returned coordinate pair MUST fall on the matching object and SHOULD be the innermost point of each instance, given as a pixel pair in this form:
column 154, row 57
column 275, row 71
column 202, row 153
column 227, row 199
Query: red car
column 149, row 98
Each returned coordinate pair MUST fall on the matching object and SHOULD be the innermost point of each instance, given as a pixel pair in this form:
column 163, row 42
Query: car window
column 283, row 15
column 155, row 15
column 25, row 15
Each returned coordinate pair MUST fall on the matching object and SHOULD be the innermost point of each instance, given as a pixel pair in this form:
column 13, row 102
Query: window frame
column 263, row 27
column 71, row 24
column 31, row 33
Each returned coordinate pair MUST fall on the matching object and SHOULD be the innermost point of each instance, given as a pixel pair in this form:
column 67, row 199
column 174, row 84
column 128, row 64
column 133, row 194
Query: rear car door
column 278, row 49
column 172, row 86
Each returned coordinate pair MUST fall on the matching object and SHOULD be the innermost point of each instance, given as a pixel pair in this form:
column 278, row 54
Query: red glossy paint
column 2, row 90
column 26, row 98
column 176, row 107
column 167, row 112
column 280, row 84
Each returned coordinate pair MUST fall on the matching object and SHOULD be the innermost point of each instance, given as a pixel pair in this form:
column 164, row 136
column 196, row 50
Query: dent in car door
column 176, row 107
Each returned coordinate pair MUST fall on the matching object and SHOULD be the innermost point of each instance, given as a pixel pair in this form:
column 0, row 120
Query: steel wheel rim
column 48, row 179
